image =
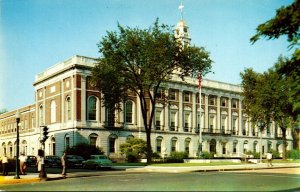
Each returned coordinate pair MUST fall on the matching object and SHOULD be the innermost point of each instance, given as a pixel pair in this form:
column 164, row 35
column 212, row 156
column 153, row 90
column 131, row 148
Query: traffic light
column 45, row 133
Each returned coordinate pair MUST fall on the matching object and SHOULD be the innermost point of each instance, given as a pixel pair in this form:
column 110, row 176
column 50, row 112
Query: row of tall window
column 53, row 111
column 187, row 98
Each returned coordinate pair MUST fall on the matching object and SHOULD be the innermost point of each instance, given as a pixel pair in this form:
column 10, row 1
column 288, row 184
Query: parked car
column 97, row 162
column 74, row 161
column 52, row 161
column 31, row 161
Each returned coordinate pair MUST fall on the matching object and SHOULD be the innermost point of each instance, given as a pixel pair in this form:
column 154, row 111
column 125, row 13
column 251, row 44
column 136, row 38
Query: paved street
column 266, row 180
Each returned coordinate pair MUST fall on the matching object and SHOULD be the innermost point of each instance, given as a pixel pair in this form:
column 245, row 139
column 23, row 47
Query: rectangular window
column 93, row 141
column 172, row 94
column 158, row 146
column 173, row 148
column 234, row 147
column 157, row 120
column 173, row 121
column 112, row 145
column 128, row 112
column 186, row 96
column 186, row 121
column 224, row 102
column 234, row 103
column 160, row 93
column 211, row 100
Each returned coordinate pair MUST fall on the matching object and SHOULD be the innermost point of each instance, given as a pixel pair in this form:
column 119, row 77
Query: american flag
column 199, row 80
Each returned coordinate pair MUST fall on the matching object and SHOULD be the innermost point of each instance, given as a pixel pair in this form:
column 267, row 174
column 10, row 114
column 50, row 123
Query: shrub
column 156, row 155
column 254, row 154
column 275, row 154
column 134, row 149
column 207, row 155
column 85, row 150
column 293, row 154
column 177, row 157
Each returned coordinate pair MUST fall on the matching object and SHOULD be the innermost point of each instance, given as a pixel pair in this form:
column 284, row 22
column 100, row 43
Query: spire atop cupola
column 181, row 32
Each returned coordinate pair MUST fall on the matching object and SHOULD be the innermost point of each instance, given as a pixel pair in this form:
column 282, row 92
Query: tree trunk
column 283, row 143
column 149, row 148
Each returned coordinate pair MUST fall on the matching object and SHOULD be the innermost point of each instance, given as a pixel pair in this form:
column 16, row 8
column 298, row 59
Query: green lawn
column 199, row 164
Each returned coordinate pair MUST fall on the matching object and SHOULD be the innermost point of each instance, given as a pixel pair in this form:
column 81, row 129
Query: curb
column 4, row 180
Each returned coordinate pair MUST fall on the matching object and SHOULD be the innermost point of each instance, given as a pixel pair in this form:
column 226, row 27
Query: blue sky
column 36, row 34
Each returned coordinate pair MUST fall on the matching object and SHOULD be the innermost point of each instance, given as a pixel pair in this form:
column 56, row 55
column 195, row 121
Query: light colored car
column 97, row 162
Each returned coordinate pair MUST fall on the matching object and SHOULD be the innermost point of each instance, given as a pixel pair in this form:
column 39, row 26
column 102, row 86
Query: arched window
column 128, row 112
column 174, row 144
column 41, row 115
column 93, row 139
column 234, row 146
column 92, row 108
column 255, row 149
column 68, row 109
column 67, row 141
column 245, row 146
column 53, row 111
column 53, row 146
column 3, row 149
column 159, row 144
column 10, row 149
column 112, row 143
column 212, row 146
column 187, row 143
column 24, row 147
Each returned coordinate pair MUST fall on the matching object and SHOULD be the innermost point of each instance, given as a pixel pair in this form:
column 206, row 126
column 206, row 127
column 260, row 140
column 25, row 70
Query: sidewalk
column 212, row 168
column 29, row 178
column 34, row 177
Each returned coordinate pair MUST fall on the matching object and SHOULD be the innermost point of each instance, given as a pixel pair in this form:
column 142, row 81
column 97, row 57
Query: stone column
column 240, row 118
column 218, row 124
column 194, row 112
column 229, row 116
column 180, row 110
column 167, row 115
column 83, row 100
column 206, row 112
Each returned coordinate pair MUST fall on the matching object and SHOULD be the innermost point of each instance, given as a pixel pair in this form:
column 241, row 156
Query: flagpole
column 200, row 107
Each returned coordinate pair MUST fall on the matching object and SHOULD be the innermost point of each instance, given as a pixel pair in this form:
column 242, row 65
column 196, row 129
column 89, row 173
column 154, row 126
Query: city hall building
column 67, row 102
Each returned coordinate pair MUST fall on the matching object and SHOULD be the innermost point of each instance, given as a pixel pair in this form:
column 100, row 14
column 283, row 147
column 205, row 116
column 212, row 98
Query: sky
column 36, row 34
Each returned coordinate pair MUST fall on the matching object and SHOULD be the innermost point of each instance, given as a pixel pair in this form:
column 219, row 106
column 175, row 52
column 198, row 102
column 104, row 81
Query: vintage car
column 52, row 161
column 74, row 161
column 97, row 162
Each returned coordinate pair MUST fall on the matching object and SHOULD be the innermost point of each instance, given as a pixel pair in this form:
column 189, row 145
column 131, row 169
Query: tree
column 139, row 61
column 266, row 97
column 134, row 149
column 286, row 22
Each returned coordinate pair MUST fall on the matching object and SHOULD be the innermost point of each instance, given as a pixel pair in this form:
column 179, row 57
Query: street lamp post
column 17, row 147
column 260, row 126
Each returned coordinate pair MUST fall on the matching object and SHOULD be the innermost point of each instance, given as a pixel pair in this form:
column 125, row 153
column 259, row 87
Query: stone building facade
column 67, row 102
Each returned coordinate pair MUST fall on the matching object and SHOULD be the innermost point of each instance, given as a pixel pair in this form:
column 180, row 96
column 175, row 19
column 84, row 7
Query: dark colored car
column 97, row 162
column 31, row 161
column 52, row 161
column 74, row 161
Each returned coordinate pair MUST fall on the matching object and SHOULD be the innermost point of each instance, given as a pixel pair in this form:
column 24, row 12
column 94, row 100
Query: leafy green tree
column 266, row 97
column 286, row 22
column 138, row 61
column 84, row 150
column 134, row 149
